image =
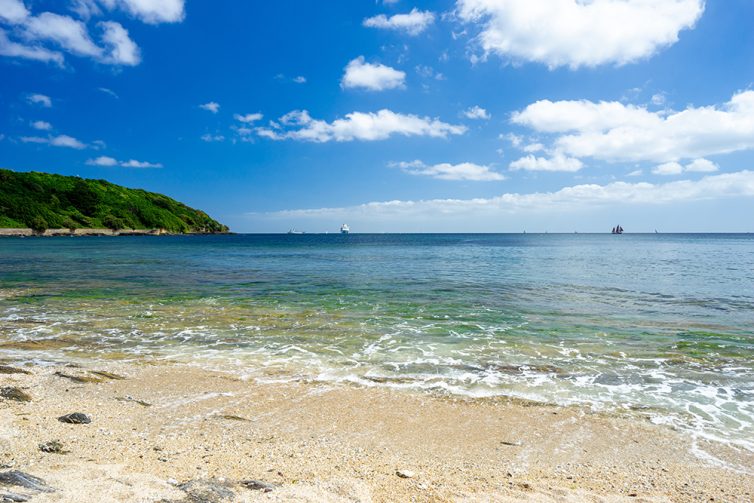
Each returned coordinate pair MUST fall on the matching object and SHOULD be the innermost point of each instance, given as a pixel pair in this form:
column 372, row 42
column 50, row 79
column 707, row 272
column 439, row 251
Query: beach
column 156, row 429
column 377, row 368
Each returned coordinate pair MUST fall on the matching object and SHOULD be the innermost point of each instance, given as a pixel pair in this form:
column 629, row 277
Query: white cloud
column 102, row 161
column 56, row 141
column 12, row 49
column 211, row 107
column 248, row 118
column 533, row 147
column 66, row 141
column 614, row 132
column 299, row 79
column 658, row 99
column 696, row 166
column 702, row 166
column 374, row 77
column 365, row 126
column 209, row 138
column 73, row 36
column 636, row 172
column 577, row 33
column 668, row 168
column 151, row 11
column 67, row 32
column 13, row 11
column 41, row 125
column 446, row 171
column 557, row 162
column 121, row 49
column 109, row 92
column 412, row 23
column 110, row 161
column 543, row 208
column 477, row 112
column 132, row 163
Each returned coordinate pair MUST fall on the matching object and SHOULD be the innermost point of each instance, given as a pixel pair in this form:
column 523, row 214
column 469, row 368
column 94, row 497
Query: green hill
column 44, row 201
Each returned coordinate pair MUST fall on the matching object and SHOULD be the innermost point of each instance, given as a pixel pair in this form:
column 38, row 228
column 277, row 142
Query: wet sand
column 176, row 433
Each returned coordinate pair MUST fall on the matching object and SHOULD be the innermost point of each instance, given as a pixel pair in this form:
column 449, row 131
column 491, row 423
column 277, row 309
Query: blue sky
column 468, row 115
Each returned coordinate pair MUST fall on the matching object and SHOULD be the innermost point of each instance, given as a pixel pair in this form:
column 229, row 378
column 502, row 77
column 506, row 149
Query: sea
column 660, row 326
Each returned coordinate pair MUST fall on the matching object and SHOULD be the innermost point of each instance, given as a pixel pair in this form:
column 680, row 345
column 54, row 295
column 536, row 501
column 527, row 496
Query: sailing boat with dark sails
column 617, row 229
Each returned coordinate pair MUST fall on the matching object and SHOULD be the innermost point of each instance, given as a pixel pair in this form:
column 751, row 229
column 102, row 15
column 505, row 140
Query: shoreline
column 165, row 431
column 27, row 232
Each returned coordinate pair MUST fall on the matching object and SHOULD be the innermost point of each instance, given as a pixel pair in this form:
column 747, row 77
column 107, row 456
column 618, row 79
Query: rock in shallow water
column 75, row 418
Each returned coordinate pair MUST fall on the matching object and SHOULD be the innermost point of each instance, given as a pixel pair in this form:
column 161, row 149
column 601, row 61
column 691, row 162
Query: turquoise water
column 656, row 325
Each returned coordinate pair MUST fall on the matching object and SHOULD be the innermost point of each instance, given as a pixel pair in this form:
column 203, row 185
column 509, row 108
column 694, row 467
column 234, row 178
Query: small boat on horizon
column 617, row 229
column 294, row 231
column 344, row 229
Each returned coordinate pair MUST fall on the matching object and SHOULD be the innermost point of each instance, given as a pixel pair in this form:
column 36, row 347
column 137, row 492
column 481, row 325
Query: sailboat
column 617, row 229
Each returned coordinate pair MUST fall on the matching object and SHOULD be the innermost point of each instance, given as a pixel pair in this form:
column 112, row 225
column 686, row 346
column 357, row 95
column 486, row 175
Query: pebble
column 405, row 474
column 75, row 418
column 53, row 447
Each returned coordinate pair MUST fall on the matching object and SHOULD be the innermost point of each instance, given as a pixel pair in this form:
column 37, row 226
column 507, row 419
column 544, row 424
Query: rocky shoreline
column 173, row 433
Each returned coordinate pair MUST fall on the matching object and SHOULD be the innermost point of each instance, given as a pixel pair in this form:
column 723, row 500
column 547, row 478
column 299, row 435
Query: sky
column 394, row 115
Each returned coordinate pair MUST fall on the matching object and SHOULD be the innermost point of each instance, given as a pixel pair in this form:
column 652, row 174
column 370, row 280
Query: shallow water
column 659, row 324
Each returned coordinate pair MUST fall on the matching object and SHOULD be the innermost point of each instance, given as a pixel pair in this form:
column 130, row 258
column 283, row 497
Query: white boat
column 294, row 231
column 344, row 229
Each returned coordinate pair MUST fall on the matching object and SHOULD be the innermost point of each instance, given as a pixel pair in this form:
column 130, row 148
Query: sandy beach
column 180, row 434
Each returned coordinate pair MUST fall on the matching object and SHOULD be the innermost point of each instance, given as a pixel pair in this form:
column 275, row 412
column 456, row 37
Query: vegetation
column 45, row 201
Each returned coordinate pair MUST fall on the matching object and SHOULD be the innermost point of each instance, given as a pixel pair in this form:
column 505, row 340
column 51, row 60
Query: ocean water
column 661, row 326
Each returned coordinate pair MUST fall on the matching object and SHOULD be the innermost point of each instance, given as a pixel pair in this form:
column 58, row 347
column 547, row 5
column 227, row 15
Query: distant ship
column 617, row 230
column 344, row 229
column 294, row 231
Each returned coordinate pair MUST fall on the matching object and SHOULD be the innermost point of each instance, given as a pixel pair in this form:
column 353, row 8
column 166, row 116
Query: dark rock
column 516, row 443
column 13, row 393
column 206, row 491
column 15, row 497
column 258, row 485
column 21, row 479
column 5, row 369
column 231, row 417
column 52, row 447
column 75, row 418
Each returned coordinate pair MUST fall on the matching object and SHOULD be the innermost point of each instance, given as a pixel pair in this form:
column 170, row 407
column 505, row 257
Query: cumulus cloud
column 696, row 166
column 72, row 36
column 476, row 112
column 248, row 118
column 588, row 197
column 150, row 11
column 577, row 33
column 557, row 162
column 56, row 141
column 374, row 77
column 212, row 106
column 13, row 11
column 412, row 23
column 445, row 171
column 41, row 125
column 615, row 132
column 12, row 49
column 365, row 126
column 110, row 161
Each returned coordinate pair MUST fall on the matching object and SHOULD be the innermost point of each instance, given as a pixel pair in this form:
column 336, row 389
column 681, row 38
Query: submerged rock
column 75, row 418
column 20, row 479
column 5, row 369
column 13, row 393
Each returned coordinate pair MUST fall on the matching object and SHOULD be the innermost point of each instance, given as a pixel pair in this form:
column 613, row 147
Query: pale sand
column 338, row 443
